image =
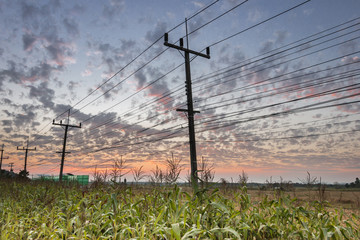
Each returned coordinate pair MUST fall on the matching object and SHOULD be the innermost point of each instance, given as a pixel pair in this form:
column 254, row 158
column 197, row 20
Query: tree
column 23, row 174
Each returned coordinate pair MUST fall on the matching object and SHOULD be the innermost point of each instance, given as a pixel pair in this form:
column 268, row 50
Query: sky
column 279, row 96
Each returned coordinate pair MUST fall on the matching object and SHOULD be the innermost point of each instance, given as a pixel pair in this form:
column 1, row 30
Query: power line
column 276, row 53
column 353, row 131
column 258, row 24
column 262, row 69
column 133, row 60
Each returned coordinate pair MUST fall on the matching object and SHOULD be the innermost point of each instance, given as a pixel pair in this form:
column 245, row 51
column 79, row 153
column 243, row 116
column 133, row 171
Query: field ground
column 45, row 210
column 344, row 198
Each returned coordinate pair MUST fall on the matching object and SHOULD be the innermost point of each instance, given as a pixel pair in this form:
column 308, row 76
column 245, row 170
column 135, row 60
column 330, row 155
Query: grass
column 50, row 211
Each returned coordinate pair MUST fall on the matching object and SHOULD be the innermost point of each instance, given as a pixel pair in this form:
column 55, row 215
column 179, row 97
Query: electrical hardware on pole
column 27, row 149
column 190, row 108
column 67, row 125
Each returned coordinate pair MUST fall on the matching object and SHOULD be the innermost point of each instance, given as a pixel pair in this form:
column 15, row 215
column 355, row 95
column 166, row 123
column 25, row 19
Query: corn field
column 50, row 211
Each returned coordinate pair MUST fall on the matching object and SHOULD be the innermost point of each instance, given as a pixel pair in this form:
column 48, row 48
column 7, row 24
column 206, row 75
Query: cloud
column 45, row 33
column 60, row 53
column 115, row 8
column 86, row 73
column 43, row 94
column 28, row 41
column 112, row 57
column 159, row 30
column 140, row 79
column 19, row 73
column 71, row 27
column 41, row 72
column 27, row 117
column 254, row 15
column 11, row 74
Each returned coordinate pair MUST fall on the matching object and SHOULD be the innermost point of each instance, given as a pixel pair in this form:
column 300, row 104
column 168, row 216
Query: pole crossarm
column 68, row 125
column 207, row 55
column 185, row 110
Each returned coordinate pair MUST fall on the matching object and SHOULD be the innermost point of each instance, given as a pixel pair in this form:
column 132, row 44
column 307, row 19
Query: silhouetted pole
column 2, row 151
column 190, row 107
column 27, row 149
column 11, row 166
column 64, row 144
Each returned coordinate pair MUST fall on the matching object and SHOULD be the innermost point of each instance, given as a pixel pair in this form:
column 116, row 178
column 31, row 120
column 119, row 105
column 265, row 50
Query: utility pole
column 190, row 108
column 27, row 149
column 2, row 151
column 67, row 125
column 11, row 166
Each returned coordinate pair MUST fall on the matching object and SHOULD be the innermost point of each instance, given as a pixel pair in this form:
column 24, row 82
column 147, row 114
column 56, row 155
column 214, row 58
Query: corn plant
column 46, row 210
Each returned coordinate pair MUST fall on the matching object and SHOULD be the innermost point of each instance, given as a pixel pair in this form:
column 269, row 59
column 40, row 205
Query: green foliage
column 46, row 210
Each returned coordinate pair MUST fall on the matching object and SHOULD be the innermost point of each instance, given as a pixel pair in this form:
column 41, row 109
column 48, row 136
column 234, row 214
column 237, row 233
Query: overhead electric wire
column 258, row 24
column 289, row 130
column 283, row 80
column 155, row 100
column 315, row 95
column 281, row 63
column 306, row 108
column 165, row 50
column 331, row 33
column 169, row 136
column 133, row 60
column 276, row 91
column 231, row 91
column 230, row 68
column 319, row 43
column 216, row 18
column 285, row 138
column 129, row 140
column 144, row 65
column 265, row 56
column 324, row 93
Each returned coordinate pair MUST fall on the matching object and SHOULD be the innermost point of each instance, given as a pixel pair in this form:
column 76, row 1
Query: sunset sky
column 278, row 97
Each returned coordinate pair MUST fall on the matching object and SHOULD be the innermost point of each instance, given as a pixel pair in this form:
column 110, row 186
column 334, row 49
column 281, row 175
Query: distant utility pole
column 27, row 149
column 11, row 166
column 2, row 151
column 190, row 108
column 64, row 144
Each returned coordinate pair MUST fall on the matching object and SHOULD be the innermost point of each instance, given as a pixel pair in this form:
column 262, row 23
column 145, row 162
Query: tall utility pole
column 190, row 107
column 27, row 149
column 2, row 151
column 64, row 144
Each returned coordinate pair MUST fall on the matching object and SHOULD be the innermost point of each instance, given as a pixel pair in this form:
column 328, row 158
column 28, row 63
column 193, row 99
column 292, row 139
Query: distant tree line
column 355, row 184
